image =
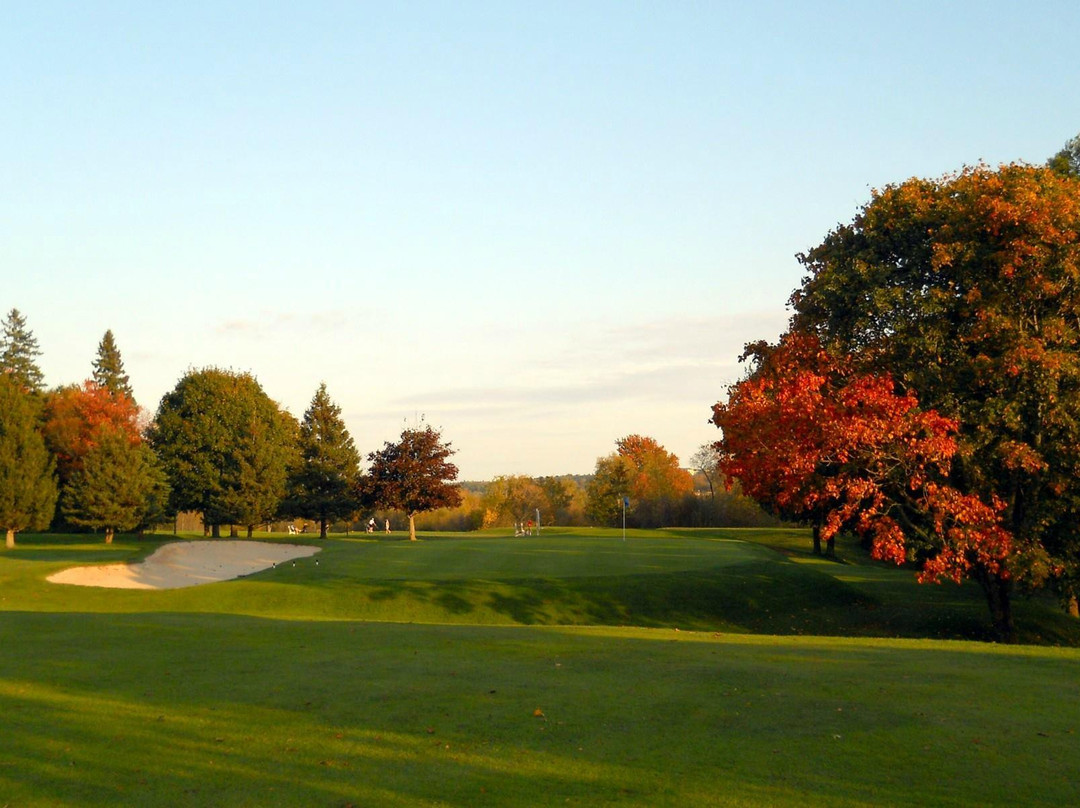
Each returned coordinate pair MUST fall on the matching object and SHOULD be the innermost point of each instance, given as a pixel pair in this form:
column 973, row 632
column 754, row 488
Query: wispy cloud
column 283, row 323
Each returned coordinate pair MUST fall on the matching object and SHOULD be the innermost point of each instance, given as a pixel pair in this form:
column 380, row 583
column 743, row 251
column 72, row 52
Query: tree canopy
column 644, row 471
column 27, row 471
column 611, row 482
column 226, row 447
column 511, row 498
column 816, row 441
column 1067, row 161
column 109, row 368
column 413, row 475
column 657, row 473
column 963, row 292
column 117, row 485
column 19, row 351
column 323, row 484
column 74, row 415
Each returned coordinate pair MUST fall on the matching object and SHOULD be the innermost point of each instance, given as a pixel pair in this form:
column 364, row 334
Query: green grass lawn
column 725, row 667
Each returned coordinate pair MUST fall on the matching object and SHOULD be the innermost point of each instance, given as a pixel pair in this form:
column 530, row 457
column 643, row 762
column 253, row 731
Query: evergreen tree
column 109, row 368
column 323, row 485
column 27, row 478
column 1067, row 161
column 117, row 486
column 18, row 352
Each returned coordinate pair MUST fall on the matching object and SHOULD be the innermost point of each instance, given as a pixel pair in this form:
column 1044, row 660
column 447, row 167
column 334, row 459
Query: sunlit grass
column 547, row 671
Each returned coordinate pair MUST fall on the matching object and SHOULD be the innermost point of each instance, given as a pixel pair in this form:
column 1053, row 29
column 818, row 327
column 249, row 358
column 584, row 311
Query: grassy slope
column 202, row 697
column 753, row 581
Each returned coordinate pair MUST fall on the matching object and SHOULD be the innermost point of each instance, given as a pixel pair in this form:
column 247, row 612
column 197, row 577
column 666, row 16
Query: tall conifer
column 18, row 353
column 27, row 470
column 109, row 367
column 322, row 487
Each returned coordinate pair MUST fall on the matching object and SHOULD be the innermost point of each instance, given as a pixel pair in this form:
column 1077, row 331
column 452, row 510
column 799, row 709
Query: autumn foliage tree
column 118, row 486
column 962, row 295
column 657, row 473
column 644, row 471
column 75, row 415
column 815, row 440
column 412, row 475
column 511, row 498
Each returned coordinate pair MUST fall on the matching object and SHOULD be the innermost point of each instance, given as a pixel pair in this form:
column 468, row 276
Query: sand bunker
column 186, row 563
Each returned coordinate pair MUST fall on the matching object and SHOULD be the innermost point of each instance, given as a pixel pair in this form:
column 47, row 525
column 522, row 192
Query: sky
column 539, row 227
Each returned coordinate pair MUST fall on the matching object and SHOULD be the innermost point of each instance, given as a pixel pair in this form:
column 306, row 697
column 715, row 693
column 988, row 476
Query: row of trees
column 927, row 392
column 217, row 445
column 77, row 446
column 220, row 447
column 641, row 473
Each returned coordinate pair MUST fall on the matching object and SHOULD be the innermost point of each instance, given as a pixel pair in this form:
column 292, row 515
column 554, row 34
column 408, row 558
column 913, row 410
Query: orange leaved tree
column 814, row 439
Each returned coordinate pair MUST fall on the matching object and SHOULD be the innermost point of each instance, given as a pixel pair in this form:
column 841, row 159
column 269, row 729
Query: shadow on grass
column 184, row 709
column 767, row 596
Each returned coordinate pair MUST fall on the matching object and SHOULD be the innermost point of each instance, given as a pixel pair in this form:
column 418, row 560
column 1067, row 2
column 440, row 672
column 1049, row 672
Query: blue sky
column 541, row 226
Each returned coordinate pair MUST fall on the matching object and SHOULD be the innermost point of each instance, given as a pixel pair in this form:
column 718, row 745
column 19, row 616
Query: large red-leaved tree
column 813, row 439
column 413, row 475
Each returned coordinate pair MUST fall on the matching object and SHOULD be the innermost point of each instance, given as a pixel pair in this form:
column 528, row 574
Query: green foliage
column 27, row 471
column 225, row 446
column 604, row 494
column 323, row 484
column 18, row 353
column 109, row 368
column 119, row 485
column 511, row 499
column 1067, row 161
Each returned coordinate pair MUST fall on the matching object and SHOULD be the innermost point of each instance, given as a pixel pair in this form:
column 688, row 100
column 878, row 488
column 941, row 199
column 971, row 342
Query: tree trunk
column 1073, row 607
column 10, row 539
column 232, row 532
column 817, row 538
column 998, row 592
column 108, row 535
column 830, row 547
column 250, row 531
column 322, row 528
column 412, row 527
column 215, row 531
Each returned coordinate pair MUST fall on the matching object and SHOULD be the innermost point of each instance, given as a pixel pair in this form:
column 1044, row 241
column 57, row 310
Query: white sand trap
column 186, row 563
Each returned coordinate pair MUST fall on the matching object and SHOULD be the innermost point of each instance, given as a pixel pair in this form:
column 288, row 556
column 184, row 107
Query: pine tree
column 109, row 368
column 18, row 349
column 323, row 485
column 117, row 486
column 27, row 470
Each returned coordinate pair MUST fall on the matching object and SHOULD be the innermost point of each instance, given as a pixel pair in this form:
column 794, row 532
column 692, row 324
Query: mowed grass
column 675, row 668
